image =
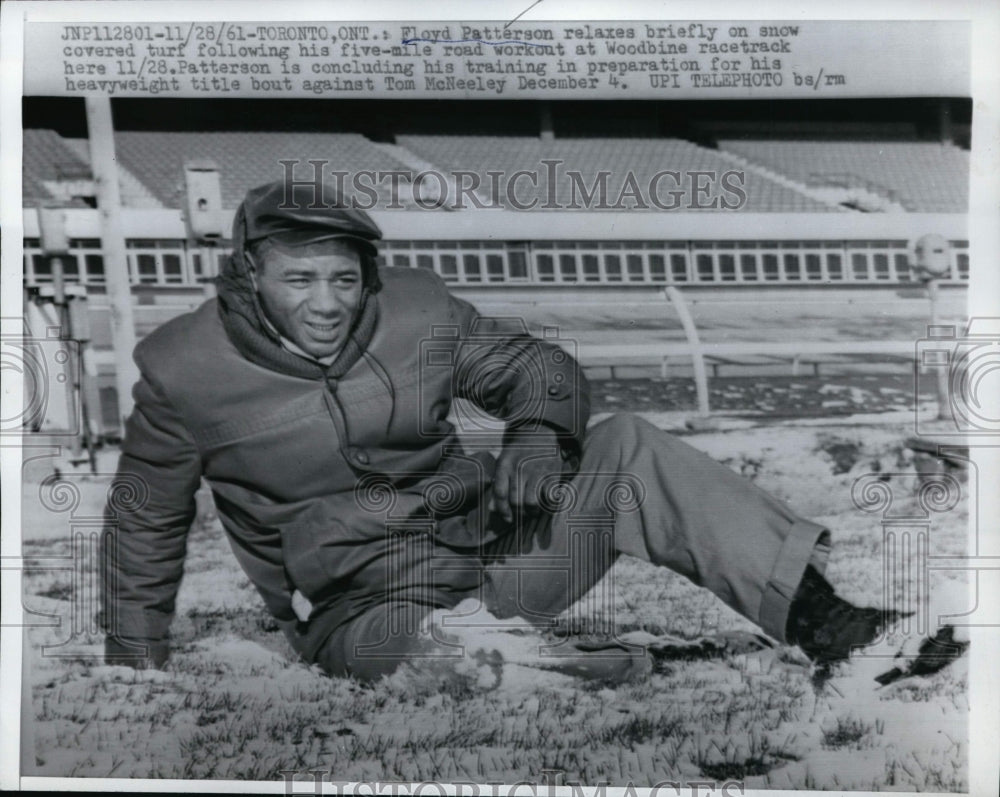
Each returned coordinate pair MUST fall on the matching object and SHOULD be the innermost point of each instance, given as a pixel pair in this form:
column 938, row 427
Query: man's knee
column 620, row 428
column 619, row 437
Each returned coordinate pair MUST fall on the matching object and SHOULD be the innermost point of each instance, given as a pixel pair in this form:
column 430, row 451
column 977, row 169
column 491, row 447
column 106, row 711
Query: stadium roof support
column 108, row 219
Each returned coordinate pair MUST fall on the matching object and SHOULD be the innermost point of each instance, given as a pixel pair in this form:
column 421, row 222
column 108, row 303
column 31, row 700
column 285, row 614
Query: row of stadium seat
column 642, row 158
column 926, row 177
column 923, row 177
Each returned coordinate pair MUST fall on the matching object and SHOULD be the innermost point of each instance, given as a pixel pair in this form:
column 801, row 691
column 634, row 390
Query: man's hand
column 529, row 460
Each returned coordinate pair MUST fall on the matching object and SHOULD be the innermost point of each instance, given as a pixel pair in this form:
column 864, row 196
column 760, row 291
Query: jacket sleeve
column 521, row 379
column 148, row 515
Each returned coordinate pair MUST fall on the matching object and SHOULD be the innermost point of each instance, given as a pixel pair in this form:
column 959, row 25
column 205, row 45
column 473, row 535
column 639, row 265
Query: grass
column 847, row 732
column 234, row 702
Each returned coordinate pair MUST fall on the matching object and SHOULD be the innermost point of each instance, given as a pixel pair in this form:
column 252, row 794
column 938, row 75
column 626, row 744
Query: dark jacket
column 315, row 470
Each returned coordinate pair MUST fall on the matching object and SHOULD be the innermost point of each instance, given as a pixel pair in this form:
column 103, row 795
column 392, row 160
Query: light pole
column 204, row 219
column 118, row 282
column 74, row 328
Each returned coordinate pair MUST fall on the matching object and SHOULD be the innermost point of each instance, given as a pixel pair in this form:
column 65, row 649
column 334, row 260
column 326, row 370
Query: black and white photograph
column 497, row 398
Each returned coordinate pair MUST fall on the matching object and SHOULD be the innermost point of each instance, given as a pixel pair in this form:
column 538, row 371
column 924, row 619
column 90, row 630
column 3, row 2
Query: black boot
column 826, row 626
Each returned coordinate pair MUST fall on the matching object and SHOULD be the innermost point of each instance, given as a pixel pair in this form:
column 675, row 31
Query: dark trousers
column 639, row 491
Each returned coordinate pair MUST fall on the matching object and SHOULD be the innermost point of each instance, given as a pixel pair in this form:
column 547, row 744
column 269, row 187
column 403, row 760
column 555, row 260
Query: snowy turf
column 234, row 703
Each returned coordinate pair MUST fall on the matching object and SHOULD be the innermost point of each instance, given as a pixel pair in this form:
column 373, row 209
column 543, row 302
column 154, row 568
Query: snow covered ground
column 234, row 703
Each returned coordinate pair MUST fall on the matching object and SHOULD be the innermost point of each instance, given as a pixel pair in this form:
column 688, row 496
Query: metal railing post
column 697, row 357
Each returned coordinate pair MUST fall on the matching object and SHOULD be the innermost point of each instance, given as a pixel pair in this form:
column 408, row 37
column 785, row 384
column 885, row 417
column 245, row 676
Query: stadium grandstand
column 823, row 196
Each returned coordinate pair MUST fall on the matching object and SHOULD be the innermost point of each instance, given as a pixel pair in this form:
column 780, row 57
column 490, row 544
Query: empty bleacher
column 47, row 160
column 922, row 177
column 780, row 175
column 246, row 160
column 151, row 168
column 641, row 157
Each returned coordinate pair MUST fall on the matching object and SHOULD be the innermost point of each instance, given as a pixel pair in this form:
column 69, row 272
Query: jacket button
column 359, row 455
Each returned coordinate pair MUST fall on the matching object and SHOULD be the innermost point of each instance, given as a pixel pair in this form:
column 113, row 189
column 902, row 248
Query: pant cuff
column 807, row 543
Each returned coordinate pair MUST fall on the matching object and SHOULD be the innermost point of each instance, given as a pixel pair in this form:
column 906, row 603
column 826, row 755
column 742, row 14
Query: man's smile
column 321, row 328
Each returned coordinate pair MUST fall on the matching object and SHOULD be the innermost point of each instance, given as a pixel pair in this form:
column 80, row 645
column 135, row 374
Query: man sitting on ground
column 313, row 395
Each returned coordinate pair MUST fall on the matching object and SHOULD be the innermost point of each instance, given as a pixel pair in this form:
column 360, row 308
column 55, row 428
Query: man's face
column 311, row 295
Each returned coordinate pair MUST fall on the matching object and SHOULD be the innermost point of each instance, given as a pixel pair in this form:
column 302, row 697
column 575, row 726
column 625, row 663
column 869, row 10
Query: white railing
column 702, row 353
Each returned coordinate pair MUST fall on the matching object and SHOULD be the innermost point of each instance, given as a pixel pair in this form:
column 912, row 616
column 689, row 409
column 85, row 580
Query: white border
column 10, row 457
column 984, row 767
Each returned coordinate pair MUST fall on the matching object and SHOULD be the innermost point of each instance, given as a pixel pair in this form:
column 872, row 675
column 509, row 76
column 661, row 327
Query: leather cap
column 294, row 214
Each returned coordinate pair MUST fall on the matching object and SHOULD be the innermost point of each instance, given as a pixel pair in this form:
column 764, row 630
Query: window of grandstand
column 157, row 262
column 609, row 261
column 768, row 261
column 461, row 262
column 197, row 267
column 170, row 262
column 83, row 264
column 879, row 261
